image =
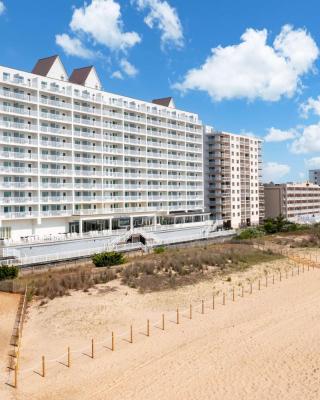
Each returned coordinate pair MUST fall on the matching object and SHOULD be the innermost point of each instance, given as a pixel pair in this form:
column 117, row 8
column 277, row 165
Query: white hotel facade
column 76, row 159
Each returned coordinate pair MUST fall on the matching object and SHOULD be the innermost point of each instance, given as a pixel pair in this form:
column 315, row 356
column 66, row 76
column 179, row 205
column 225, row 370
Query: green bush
column 159, row 250
column 7, row 272
column 250, row 233
column 107, row 259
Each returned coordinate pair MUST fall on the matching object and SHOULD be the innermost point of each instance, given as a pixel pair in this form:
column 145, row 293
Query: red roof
column 163, row 102
column 80, row 75
column 43, row 65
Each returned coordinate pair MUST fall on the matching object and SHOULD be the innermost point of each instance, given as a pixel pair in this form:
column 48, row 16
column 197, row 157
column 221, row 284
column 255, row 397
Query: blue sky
column 244, row 66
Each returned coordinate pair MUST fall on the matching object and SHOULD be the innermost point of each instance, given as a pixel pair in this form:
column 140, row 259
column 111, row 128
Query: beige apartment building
column 292, row 200
column 233, row 188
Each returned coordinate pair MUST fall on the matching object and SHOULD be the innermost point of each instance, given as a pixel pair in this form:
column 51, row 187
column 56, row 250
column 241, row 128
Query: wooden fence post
column 213, row 301
column 233, row 294
column 178, row 320
column 92, row 348
column 273, row 279
column 112, row 341
column 280, row 276
column 131, row 334
column 43, row 366
column 163, row 322
column 202, row 306
column 266, row 280
column 190, row 311
column 224, row 299
column 148, row 327
column 259, row 285
column 69, row 358
column 15, row 384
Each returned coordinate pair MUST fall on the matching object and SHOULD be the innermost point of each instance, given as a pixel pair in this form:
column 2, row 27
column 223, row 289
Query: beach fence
column 177, row 317
column 17, row 336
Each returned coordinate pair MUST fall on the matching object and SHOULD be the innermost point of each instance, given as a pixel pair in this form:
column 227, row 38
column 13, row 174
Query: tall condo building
column 75, row 158
column 314, row 176
column 292, row 200
column 233, row 188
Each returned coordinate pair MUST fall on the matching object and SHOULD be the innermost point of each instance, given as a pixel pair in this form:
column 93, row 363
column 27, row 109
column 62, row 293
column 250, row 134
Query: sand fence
column 297, row 265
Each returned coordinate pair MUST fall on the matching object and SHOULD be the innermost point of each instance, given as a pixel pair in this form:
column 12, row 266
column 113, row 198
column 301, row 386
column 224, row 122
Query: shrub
column 7, row 272
column 250, row 233
column 159, row 250
column 107, row 259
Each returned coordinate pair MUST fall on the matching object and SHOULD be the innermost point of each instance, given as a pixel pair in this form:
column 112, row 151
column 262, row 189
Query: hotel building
column 75, row 158
column 292, row 200
column 233, row 188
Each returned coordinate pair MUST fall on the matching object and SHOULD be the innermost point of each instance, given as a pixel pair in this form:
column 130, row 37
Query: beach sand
column 262, row 346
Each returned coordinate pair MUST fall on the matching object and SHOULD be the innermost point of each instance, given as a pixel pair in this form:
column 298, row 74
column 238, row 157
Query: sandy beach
column 260, row 346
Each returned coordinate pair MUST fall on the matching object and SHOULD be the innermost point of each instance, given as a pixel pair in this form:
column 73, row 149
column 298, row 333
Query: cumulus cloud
column 128, row 68
column 2, row 7
column 165, row 18
column 117, row 75
column 253, row 69
column 310, row 106
column 278, row 135
column 73, row 46
column 98, row 23
column 273, row 171
column 308, row 140
column 101, row 21
column 313, row 162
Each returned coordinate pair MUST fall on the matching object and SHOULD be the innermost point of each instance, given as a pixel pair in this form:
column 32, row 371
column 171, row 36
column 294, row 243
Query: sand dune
column 263, row 346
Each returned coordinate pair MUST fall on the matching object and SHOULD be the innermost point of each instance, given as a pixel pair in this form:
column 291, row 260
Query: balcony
column 18, row 125
column 56, row 171
column 19, row 200
column 88, row 122
column 15, row 155
column 56, row 144
column 17, row 215
column 19, row 185
column 49, row 157
column 56, row 117
column 18, row 96
column 18, row 170
column 18, row 110
column 56, row 131
column 56, row 199
column 18, row 140
column 55, row 103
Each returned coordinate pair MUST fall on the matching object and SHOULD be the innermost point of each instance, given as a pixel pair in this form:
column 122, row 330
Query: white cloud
column 101, row 21
column 278, row 135
column 311, row 105
column 308, row 140
column 313, row 162
column 128, row 68
column 73, row 46
column 302, row 175
column 273, row 171
column 2, row 7
column 253, row 69
column 117, row 75
column 164, row 17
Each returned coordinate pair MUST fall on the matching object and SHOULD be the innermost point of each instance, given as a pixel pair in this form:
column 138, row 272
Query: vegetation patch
column 57, row 283
column 8, row 272
column 108, row 259
column 185, row 266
